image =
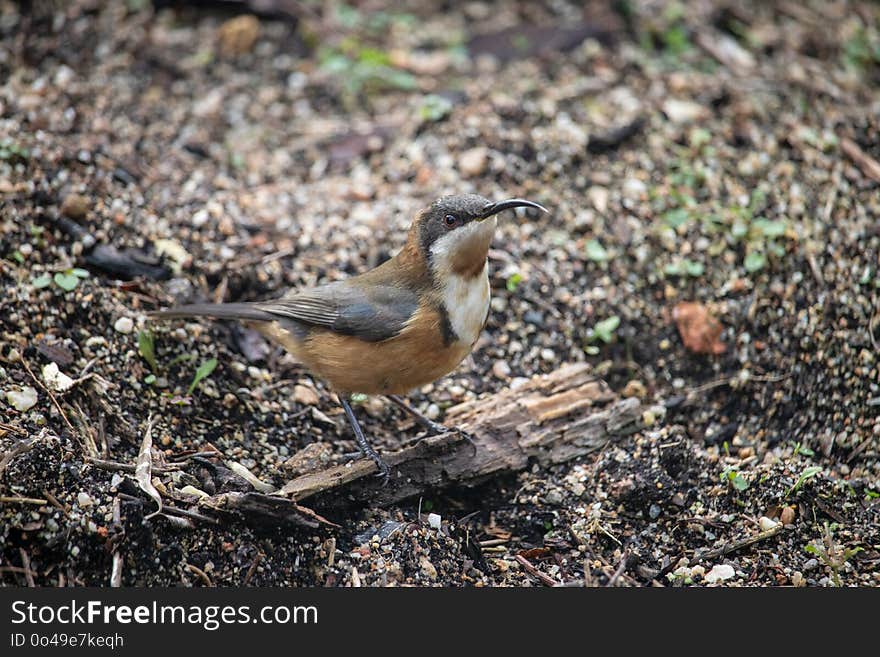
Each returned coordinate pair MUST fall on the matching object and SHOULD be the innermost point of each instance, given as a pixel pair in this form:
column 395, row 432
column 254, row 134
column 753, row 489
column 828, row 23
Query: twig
column 13, row 429
column 871, row 323
column 262, row 260
column 252, row 569
column 103, row 464
column 49, row 392
column 54, row 502
column 16, row 569
column 116, row 570
column 814, row 269
column 28, row 573
column 620, row 570
column 177, row 511
column 201, row 573
column 7, row 499
column 869, row 166
column 734, row 546
column 546, row 580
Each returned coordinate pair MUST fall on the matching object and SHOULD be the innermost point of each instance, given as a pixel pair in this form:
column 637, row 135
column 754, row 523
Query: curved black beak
column 499, row 206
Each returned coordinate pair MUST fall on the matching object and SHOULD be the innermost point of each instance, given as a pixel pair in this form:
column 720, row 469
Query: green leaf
column 204, row 371
column 739, row 229
column 739, row 482
column 675, row 217
column 735, row 479
column 358, row 398
column 146, row 349
column 513, row 281
column 699, row 137
column 65, row 281
column 434, row 108
column 693, row 268
column 596, row 252
column 686, row 266
column 591, row 349
column 770, row 228
column 808, row 473
column 755, row 261
column 673, row 269
column 604, row 330
column 79, row 273
column 150, row 379
column 374, row 57
column 41, row 281
column 18, row 256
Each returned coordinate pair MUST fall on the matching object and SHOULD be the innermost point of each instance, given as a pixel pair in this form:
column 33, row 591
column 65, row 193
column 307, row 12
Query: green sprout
column 202, row 372
column 807, row 474
column 831, row 553
column 735, row 479
column 513, row 281
column 602, row 331
column 147, row 350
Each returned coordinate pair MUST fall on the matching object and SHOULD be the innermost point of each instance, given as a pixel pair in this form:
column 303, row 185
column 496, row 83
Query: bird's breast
column 466, row 301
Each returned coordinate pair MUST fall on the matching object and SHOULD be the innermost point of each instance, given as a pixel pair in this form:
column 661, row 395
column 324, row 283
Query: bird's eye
column 450, row 221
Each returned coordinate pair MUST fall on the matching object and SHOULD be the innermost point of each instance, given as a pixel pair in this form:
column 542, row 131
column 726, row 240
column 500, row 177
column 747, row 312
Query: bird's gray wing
column 373, row 314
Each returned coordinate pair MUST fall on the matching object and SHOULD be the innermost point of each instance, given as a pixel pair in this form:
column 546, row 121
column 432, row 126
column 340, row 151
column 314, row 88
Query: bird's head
column 454, row 232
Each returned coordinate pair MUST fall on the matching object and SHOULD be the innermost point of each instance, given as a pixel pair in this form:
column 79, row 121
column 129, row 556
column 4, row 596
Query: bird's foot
column 383, row 467
column 437, row 429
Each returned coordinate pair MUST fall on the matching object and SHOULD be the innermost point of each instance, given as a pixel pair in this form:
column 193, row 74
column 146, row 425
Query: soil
column 719, row 154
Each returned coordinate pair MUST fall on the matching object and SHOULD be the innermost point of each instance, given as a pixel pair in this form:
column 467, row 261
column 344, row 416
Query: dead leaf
column 698, row 328
column 143, row 471
column 535, row 554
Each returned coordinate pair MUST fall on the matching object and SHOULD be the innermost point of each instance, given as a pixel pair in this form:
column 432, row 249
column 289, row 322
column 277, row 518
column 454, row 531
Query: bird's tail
column 246, row 311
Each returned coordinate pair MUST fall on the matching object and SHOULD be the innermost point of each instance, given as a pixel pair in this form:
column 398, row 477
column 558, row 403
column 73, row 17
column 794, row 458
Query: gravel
column 193, row 155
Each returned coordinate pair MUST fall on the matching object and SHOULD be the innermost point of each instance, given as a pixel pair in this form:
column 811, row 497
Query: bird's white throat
column 465, row 296
column 467, row 304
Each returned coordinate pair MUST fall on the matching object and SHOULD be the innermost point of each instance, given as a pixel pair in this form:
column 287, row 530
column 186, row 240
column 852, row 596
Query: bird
column 405, row 323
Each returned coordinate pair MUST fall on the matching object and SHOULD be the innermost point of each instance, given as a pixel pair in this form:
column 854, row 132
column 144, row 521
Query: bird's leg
column 434, row 428
column 361, row 439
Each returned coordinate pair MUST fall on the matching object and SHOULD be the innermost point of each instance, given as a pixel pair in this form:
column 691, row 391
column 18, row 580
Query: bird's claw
column 468, row 437
column 384, row 471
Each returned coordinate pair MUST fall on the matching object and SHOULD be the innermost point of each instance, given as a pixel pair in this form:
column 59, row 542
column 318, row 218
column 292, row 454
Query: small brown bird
column 408, row 322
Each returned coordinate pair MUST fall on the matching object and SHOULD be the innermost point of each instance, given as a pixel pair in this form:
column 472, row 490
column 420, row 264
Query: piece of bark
column 552, row 419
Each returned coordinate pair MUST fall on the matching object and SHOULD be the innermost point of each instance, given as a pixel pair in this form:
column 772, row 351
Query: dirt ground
column 712, row 153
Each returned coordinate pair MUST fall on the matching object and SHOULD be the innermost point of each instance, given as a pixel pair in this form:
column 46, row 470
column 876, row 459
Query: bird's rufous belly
column 395, row 366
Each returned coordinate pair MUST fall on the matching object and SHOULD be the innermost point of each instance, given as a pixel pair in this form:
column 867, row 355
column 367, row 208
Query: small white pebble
column 501, row 369
column 434, row 521
column 766, row 524
column 83, row 499
column 719, row 573
column 22, row 400
column 124, row 325
column 433, row 412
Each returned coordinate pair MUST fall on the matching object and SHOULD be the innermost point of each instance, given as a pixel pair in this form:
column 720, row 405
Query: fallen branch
column 552, row 419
